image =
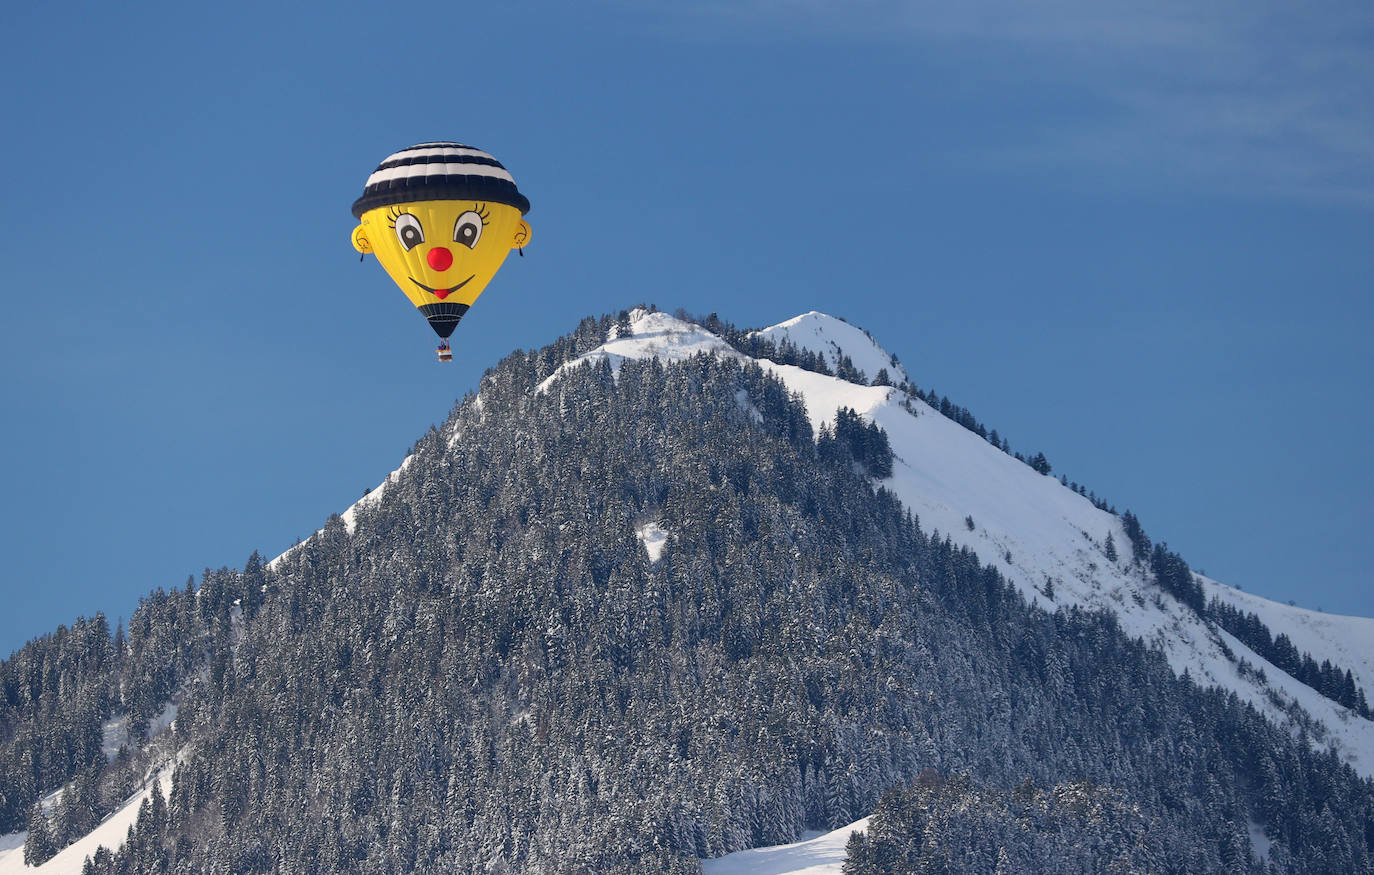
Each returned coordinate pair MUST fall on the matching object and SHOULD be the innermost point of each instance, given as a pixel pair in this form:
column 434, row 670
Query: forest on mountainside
column 487, row 673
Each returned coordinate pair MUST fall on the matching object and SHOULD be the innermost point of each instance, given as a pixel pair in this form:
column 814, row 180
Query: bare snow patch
column 1259, row 842
column 818, row 855
column 654, row 539
column 825, row 395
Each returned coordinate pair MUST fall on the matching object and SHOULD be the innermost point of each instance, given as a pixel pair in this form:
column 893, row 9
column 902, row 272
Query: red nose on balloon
column 440, row 258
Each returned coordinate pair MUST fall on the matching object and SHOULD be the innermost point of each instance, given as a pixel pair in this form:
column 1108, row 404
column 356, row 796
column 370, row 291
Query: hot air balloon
column 441, row 218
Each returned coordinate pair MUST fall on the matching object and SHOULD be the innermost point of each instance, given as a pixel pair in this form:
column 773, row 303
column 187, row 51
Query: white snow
column 816, row 855
column 1346, row 641
column 652, row 335
column 825, row 395
column 832, row 338
column 350, row 516
column 51, row 801
column 111, row 833
column 654, row 540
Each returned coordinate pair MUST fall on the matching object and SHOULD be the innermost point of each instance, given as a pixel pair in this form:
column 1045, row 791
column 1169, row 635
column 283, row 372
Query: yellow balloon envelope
column 441, row 218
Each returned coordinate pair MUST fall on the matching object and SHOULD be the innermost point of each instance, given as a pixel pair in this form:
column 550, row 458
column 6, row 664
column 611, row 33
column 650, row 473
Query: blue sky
column 1135, row 236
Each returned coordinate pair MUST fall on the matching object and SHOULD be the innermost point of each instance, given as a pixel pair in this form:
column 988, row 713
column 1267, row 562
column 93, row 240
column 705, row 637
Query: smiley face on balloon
column 441, row 218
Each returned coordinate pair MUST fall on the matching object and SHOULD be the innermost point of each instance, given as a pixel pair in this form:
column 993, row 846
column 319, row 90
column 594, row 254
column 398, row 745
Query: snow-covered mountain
column 1048, row 541
column 1033, row 529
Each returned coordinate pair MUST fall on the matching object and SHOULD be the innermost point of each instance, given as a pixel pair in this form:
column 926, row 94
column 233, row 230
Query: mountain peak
column 835, row 339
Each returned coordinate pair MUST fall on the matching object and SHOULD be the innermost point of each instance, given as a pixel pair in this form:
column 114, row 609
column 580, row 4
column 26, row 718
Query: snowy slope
column 820, row 855
column 111, row 833
column 1346, row 641
column 350, row 516
column 832, row 338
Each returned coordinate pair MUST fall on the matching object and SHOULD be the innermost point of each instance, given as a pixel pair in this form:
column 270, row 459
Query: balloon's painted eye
column 468, row 229
column 408, row 231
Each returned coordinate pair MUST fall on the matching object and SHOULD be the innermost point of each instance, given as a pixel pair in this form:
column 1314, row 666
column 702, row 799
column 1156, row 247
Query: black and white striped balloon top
column 439, row 171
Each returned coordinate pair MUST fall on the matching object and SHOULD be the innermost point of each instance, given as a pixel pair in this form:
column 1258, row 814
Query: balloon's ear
column 522, row 235
column 360, row 241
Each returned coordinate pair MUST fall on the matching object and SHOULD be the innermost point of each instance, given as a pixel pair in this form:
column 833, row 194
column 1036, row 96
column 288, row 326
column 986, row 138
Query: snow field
column 818, row 855
column 1346, row 641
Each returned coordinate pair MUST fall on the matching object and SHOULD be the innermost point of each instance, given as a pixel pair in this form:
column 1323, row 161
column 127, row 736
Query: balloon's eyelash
column 482, row 211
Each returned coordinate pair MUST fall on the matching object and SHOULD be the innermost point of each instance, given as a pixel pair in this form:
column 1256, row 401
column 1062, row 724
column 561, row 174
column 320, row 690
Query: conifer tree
column 39, row 846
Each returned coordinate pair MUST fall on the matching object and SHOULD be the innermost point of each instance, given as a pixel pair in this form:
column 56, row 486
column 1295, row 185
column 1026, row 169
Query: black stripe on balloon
column 444, row 144
column 438, row 159
column 441, row 188
column 450, row 180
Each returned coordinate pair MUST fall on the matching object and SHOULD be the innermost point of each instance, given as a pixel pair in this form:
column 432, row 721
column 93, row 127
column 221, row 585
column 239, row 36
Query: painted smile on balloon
column 441, row 293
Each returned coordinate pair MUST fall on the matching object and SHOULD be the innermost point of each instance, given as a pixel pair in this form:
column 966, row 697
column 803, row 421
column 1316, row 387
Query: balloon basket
column 445, row 353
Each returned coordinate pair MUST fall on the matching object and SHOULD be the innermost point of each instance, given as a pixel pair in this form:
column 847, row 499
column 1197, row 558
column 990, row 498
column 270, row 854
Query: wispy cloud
column 1251, row 96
